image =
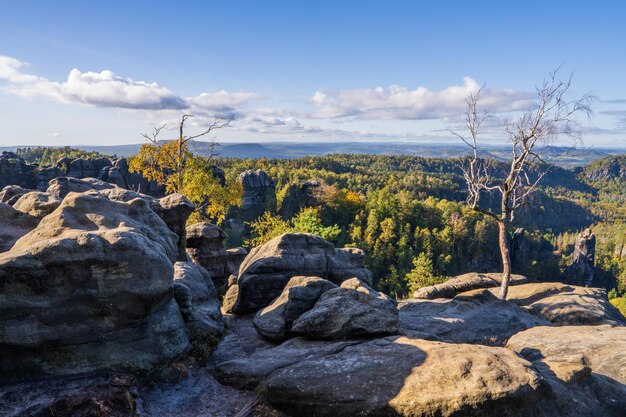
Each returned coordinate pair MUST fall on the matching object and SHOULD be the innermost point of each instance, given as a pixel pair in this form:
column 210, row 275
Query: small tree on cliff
column 173, row 164
column 553, row 115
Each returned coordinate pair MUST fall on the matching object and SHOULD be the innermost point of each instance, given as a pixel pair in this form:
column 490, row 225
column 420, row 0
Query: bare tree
column 178, row 159
column 553, row 115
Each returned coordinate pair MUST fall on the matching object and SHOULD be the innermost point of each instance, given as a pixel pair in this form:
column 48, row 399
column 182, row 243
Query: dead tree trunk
column 503, row 243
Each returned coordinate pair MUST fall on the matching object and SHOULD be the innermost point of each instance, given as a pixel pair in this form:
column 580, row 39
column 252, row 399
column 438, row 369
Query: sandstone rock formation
column 466, row 282
column 298, row 196
column 205, row 246
column 394, row 376
column 352, row 310
column 37, row 204
column 601, row 348
column 175, row 209
column 11, row 193
column 90, row 288
column 13, row 225
column 267, row 269
column 62, row 186
column 45, row 175
column 198, row 304
column 259, row 195
column 472, row 317
column 15, row 171
column 580, row 271
column 299, row 296
column 566, row 305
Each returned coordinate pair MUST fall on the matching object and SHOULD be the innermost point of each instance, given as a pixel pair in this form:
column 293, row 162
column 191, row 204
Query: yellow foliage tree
column 172, row 163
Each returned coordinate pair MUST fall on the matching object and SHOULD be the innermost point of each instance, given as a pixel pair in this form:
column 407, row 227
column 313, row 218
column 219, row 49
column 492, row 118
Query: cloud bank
column 400, row 103
column 106, row 89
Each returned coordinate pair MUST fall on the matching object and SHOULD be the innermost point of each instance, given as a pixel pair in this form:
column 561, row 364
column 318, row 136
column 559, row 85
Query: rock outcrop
column 198, row 304
column 394, row 376
column 15, row 171
column 472, row 317
column 580, row 271
column 566, row 305
column 600, row 348
column 269, row 267
column 11, row 193
column 62, row 186
column 352, row 310
column 299, row 296
column 90, row 288
column 37, row 204
column 259, row 195
column 205, row 246
column 13, row 225
column 298, row 196
column 175, row 209
column 466, row 282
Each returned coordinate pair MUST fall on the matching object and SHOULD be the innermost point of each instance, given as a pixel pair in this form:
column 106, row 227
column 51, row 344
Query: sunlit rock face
column 91, row 287
column 268, row 268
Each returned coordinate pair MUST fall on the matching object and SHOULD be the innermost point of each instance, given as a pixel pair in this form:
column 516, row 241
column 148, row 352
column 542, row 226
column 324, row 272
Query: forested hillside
column 408, row 214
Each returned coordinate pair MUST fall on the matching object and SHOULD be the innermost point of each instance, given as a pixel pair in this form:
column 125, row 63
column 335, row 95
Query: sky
column 102, row 73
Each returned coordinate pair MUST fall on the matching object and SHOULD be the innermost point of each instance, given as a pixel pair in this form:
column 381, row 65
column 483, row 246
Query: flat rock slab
column 399, row 376
column 476, row 317
column 466, row 282
column 602, row 348
column 566, row 305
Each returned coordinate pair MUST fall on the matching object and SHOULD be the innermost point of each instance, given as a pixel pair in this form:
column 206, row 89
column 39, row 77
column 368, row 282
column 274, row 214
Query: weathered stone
column 37, row 204
column 45, row 175
column 198, row 304
column 299, row 296
column 352, row 310
column 602, row 348
column 267, row 269
column 466, row 282
column 15, row 171
column 581, row 270
column 566, row 305
column 62, row 186
column 11, row 193
column 472, row 317
column 259, row 195
column 13, row 225
column 400, row 376
column 90, row 288
column 175, row 210
column 205, row 246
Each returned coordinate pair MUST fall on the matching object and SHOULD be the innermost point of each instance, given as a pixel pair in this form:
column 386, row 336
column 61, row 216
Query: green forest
column 409, row 214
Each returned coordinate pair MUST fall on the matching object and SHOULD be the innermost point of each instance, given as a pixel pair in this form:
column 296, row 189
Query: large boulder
column 198, row 304
column 299, row 296
column 90, row 288
column 352, row 310
column 175, row 209
column 45, row 175
column 37, row 204
column 14, row 170
column 466, row 282
column 62, row 186
column 205, row 246
column 566, row 305
column 394, row 376
column 473, row 317
column 85, row 168
column 601, row 348
column 11, row 193
column 13, row 225
column 267, row 269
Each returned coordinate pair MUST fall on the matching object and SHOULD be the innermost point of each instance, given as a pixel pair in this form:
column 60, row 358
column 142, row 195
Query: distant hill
column 563, row 156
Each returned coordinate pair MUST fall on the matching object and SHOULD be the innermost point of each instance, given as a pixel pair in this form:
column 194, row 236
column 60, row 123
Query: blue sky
column 77, row 72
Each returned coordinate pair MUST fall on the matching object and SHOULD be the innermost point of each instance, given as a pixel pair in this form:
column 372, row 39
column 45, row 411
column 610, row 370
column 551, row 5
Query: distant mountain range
column 285, row 150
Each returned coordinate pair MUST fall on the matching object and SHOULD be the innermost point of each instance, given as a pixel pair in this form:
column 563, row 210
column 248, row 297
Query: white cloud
column 401, row 103
column 106, row 89
column 54, row 134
